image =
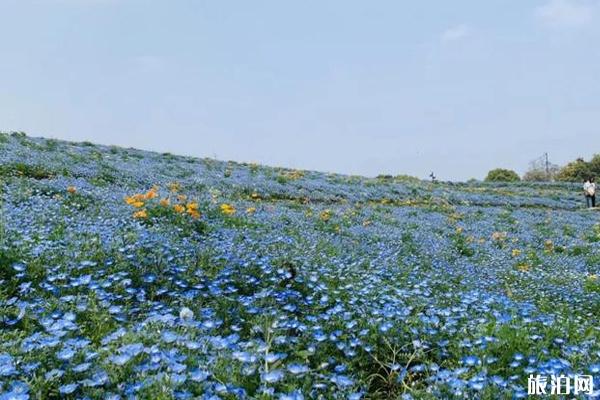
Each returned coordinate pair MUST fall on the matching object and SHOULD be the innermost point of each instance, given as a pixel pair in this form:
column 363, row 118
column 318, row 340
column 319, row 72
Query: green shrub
column 502, row 175
column 575, row 171
column 26, row 170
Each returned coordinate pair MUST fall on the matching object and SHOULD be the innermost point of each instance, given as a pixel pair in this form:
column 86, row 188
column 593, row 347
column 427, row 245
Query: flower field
column 132, row 274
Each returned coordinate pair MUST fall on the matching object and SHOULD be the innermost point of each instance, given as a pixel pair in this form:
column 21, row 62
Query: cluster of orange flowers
column 181, row 206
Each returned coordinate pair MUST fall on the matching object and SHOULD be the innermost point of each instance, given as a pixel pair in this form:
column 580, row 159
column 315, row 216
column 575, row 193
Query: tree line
column 539, row 171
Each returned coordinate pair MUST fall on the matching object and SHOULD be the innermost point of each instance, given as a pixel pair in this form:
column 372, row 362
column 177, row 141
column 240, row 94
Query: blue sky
column 346, row 86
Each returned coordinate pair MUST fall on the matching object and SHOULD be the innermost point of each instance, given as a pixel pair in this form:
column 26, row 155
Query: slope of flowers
column 131, row 274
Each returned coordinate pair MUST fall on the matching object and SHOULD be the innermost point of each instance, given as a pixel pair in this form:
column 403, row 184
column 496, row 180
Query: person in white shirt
column 589, row 189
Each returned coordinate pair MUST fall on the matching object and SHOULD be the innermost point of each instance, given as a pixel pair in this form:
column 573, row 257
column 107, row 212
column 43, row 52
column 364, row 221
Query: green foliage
column 575, row 171
column 502, row 175
column 462, row 245
column 26, row 170
column 592, row 284
column 398, row 178
column 580, row 170
column 187, row 225
column 406, row 179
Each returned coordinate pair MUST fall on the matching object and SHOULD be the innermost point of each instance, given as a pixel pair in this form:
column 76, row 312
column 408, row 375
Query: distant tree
column 594, row 164
column 541, row 170
column 579, row 170
column 502, row 175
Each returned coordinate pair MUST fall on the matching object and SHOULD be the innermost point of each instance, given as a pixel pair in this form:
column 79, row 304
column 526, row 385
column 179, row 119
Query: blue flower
column 68, row 389
column 272, row 376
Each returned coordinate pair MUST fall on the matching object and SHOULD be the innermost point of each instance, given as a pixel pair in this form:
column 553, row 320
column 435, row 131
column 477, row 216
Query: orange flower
column 151, row 194
column 194, row 214
column 165, row 202
column 72, row 189
column 131, row 200
column 178, row 208
column 138, row 204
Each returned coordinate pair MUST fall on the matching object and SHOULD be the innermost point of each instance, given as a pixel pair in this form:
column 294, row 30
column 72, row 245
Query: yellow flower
column 325, row 215
column 174, row 187
column 255, row 196
column 140, row 214
column 523, row 267
column 71, row 189
column 459, row 230
column 250, row 210
column 182, row 197
column 227, row 209
column 138, row 204
column 178, row 208
column 192, row 209
column 516, row 252
column 165, row 202
column 593, row 277
column 191, row 206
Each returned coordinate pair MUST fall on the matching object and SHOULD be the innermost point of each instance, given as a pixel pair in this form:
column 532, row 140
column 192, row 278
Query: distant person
column 589, row 190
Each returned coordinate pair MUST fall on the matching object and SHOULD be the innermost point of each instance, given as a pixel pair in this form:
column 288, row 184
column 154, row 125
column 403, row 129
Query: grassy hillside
column 136, row 274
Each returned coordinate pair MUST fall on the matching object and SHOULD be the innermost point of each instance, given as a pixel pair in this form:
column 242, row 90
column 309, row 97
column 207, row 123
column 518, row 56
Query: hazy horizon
column 342, row 87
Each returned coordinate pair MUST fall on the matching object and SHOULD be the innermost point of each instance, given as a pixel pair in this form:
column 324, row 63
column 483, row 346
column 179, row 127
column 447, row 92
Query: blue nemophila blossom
column 98, row 378
column 53, row 374
column 66, row 354
column 68, row 388
column 81, row 367
column 471, row 361
column 341, row 380
column 298, row 369
column 244, row 356
column 7, row 366
column 199, row 375
column 272, row 376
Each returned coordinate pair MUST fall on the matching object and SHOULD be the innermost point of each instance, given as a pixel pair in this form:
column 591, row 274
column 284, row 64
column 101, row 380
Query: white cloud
column 565, row 13
column 455, row 33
